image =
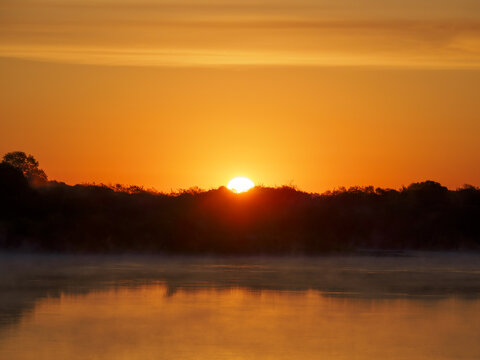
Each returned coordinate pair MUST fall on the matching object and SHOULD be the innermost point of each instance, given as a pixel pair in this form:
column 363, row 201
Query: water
column 421, row 306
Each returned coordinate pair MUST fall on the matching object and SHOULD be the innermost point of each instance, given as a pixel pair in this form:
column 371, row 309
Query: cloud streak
column 212, row 34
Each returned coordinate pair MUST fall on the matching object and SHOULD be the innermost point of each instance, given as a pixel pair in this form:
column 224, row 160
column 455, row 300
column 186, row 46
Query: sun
column 240, row 184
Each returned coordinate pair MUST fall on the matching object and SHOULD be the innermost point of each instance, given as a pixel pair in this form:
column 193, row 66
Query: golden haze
column 314, row 93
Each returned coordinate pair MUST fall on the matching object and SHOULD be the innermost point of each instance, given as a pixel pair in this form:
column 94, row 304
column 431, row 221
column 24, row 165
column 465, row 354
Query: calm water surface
column 421, row 306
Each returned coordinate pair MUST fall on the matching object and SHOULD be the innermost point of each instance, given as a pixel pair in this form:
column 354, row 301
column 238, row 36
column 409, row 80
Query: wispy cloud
column 207, row 33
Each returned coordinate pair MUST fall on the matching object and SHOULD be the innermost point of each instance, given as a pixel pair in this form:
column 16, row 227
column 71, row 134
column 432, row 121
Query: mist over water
column 411, row 306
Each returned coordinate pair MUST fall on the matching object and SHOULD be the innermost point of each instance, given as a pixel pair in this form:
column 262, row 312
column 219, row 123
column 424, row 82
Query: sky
column 313, row 93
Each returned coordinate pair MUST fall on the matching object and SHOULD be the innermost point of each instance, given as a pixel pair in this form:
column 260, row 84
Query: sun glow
column 240, row 184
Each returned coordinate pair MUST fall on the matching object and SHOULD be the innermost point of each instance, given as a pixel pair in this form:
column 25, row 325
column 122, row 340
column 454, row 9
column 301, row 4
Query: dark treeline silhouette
column 41, row 215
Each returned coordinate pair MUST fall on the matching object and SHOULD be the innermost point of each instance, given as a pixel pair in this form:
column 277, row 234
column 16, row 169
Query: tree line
column 41, row 215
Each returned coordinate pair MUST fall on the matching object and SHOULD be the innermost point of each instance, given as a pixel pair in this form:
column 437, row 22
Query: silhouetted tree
column 100, row 218
column 28, row 165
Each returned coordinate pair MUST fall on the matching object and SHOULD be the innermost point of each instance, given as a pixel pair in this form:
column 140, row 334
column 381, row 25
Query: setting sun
column 240, row 184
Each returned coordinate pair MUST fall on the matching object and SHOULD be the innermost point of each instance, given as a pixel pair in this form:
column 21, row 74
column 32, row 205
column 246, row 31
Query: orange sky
column 173, row 94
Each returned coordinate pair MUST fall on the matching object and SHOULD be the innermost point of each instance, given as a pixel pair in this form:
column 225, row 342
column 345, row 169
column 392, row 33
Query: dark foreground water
column 420, row 306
